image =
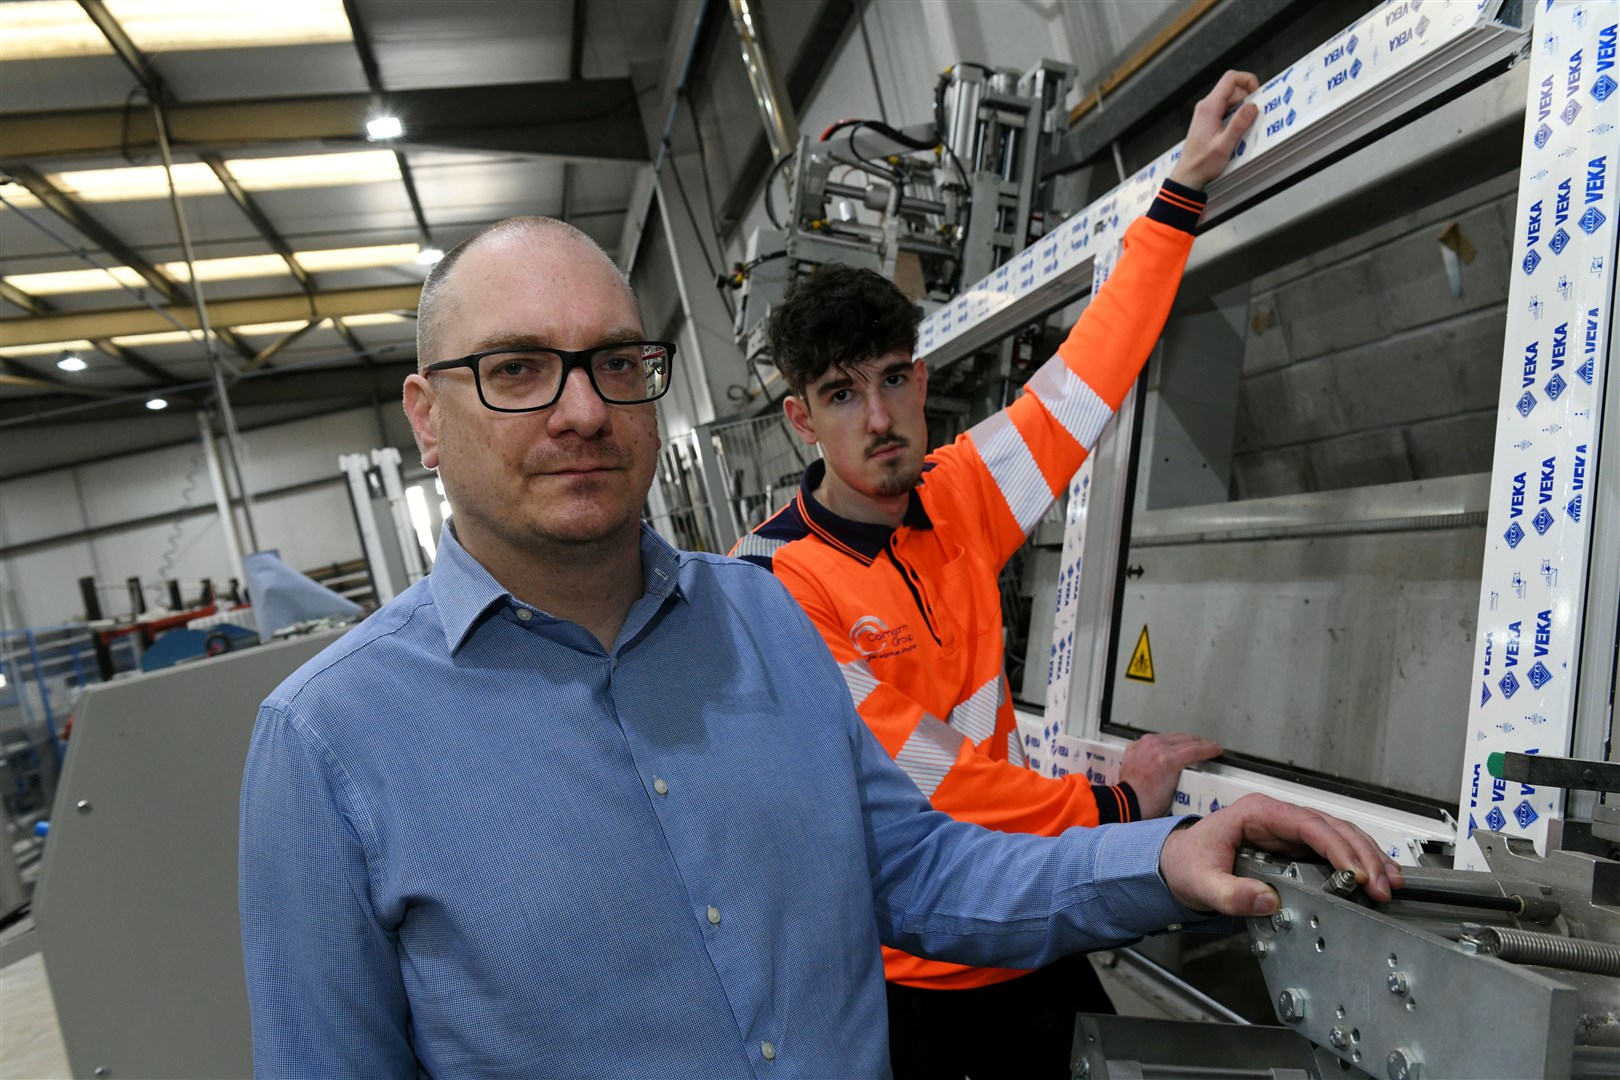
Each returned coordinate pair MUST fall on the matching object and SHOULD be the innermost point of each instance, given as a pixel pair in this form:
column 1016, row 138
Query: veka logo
column 1578, row 474
column 1394, row 13
column 1604, row 85
column 1561, row 201
column 1490, row 645
column 1573, row 509
column 1560, row 344
column 1509, row 685
column 1539, row 675
column 1543, row 632
column 1531, row 351
column 1510, row 649
column 1548, row 481
column 1355, row 68
column 1555, row 386
column 1572, row 84
column 1516, row 499
column 1527, row 404
column 871, row 636
column 1532, row 259
column 1596, row 176
column 1423, row 25
column 1542, row 521
column 1559, row 241
column 1544, row 101
column 1572, row 109
column 1496, row 820
column 1543, row 133
column 1514, row 535
column 1400, row 39
column 1525, row 814
column 1532, row 225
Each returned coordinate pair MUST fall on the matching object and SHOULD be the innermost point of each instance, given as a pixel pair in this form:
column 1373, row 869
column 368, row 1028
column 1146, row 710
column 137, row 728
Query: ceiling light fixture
column 428, row 256
column 72, row 363
column 384, row 128
column 156, row 404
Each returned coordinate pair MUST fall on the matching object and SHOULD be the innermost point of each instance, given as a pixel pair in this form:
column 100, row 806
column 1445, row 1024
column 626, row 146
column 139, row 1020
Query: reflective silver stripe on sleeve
column 860, row 680
column 1074, row 404
column 1007, row 457
column 754, row 544
column 1015, row 748
column 976, row 717
column 929, row 754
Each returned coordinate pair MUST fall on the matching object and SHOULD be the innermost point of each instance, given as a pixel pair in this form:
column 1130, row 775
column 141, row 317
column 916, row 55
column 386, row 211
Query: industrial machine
column 1509, row 972
column 932, row 206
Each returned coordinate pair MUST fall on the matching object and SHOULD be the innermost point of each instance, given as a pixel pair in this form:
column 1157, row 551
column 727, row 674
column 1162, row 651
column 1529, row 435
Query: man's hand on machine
column 1152, row 766
column 1196, row 862
column 1213, row 136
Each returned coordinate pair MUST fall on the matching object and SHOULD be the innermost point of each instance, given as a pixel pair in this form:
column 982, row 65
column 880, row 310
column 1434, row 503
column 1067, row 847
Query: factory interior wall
column 96, row 519
column 1361, row 366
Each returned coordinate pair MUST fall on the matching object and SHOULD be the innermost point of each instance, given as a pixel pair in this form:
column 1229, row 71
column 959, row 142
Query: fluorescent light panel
column 277, row 329
column 193, row 178
column 48, row 348
column 60, row 282
column 54, row 29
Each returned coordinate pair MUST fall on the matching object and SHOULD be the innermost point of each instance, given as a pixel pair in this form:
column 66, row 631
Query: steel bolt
column 1403, row 1066
column 1083, row 1069
column 1397, row 982
column 1338, row 1038
column 1259, row 949
column 1282, row 919
column 101, row 1070
column 83, row 805
column 1291, row 1005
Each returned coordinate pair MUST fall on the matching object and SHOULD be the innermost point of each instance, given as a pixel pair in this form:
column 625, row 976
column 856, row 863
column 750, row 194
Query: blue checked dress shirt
column 474, row 843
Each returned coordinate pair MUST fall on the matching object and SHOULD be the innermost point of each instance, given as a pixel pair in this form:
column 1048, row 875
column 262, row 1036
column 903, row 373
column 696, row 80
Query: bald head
column 439, row 301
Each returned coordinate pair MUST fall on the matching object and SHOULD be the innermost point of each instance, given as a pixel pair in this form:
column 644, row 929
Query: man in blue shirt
column 580, row 804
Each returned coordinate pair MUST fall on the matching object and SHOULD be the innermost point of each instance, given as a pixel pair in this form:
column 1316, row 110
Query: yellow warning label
column 1141, row 665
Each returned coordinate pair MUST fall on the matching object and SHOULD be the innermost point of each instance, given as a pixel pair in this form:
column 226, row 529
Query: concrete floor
column 30, row 1037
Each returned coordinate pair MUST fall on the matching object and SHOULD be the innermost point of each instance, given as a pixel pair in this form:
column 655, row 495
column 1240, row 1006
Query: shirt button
column 714, row 916
column 663, row 789
column 524, row 614
column 767, row 1051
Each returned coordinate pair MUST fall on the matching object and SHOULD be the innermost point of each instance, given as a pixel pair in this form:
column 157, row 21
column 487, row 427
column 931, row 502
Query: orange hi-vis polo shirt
column 913, row 614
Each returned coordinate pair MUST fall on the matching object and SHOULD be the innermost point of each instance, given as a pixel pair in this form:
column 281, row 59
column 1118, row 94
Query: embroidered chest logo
column 872, row 637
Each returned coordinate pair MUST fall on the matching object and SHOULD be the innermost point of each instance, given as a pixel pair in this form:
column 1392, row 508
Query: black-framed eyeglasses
column 527, row 380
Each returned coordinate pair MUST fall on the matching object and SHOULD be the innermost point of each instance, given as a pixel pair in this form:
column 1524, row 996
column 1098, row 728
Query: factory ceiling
column 128, row 126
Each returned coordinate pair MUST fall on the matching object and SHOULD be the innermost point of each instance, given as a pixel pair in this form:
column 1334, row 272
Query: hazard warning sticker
column 1141, row 666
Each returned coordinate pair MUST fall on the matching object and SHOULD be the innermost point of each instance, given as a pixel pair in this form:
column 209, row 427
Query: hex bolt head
column 1396, row 982
column 1291, row 1005
column 1403, row 1066
column 83, row 806
column 1281, row 920
column 1258, row 949
column 1338, row 1038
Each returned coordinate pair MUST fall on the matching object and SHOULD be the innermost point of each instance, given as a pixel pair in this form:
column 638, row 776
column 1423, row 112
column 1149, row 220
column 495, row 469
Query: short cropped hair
column 435, row 306
column 838, row 316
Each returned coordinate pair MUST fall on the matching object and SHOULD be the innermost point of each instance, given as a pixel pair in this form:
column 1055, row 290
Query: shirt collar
column 863, row 539
column 464, row 592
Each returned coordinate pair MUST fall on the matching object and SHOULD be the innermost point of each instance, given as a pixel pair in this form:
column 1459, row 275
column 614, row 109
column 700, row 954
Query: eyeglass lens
column 623, row 374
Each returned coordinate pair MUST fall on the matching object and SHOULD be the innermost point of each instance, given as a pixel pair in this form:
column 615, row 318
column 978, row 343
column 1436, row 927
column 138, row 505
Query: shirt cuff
column 1178, row 206
column 1116, row 802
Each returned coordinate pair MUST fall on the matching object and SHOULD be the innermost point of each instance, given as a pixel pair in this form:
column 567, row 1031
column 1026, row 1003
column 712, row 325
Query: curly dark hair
column 838, row 316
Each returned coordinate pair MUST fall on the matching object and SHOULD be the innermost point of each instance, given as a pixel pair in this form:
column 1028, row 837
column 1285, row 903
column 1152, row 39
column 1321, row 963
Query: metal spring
column 1549, row 950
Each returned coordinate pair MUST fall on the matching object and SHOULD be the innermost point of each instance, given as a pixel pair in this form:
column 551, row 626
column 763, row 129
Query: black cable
column 680, row 188
column 770, row 183
column 703, row 166
column 871, row 64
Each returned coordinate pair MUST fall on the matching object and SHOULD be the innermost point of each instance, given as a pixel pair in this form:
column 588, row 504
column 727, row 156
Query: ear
column 799, row 418
column 419, row 401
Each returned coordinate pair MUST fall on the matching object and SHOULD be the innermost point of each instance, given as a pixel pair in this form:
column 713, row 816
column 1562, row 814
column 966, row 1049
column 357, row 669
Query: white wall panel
column 43, row 505
column 310, row 528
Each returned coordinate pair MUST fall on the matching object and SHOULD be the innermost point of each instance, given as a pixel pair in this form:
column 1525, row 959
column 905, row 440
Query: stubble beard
column 897, row 480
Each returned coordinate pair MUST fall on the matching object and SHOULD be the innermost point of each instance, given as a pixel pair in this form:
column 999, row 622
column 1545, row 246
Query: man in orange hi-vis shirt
column 894, row 554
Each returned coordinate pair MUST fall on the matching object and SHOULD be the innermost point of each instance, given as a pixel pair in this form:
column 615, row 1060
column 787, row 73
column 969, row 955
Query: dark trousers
column 1022, row 1029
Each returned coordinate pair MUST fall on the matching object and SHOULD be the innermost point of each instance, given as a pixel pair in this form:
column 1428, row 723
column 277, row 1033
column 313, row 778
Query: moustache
column 883, row 442
column 602, row 456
